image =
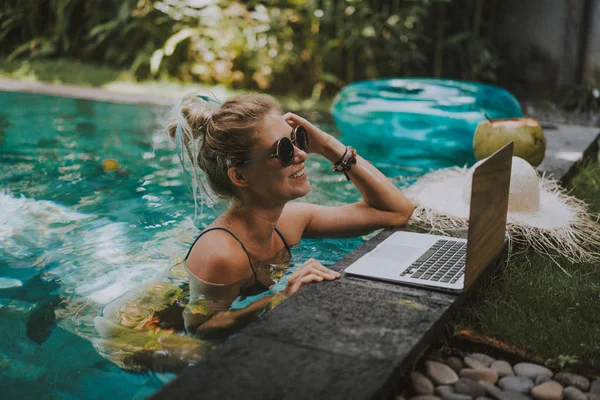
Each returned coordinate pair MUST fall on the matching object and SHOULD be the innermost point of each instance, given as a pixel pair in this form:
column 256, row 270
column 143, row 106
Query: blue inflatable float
column 418, row 116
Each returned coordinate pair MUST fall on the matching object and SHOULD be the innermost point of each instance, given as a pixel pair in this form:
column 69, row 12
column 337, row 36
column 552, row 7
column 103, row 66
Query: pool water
column 74, row 237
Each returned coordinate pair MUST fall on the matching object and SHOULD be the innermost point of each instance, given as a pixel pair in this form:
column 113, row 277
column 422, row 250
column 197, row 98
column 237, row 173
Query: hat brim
column 442, row 191
column 561, row 225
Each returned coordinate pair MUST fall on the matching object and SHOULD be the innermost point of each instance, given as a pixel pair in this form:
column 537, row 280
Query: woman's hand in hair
column 310, row 271
column 319, row 142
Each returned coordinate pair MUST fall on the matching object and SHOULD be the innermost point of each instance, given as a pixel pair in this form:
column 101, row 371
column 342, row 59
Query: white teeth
column 298, row 174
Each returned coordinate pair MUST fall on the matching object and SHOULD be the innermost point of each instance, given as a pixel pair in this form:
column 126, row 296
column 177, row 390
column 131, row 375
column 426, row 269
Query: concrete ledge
column 9, row 85
column 243, row 368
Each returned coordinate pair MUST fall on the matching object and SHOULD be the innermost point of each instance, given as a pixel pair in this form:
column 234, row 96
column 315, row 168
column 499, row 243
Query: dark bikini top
column 257, row 287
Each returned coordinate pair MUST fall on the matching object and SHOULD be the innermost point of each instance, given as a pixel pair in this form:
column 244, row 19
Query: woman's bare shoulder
column 217, row 257
column 293, row 221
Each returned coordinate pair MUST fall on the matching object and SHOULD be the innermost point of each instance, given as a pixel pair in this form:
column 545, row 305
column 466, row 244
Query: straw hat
column 540, row 213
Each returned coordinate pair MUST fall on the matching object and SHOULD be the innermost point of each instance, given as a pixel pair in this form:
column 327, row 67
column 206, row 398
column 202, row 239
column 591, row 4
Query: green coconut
column 526, row 133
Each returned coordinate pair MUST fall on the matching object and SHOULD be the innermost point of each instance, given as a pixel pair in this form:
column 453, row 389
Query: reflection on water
column 80, row 245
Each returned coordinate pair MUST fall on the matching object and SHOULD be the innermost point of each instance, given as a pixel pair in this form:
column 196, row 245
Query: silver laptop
column 442, row 262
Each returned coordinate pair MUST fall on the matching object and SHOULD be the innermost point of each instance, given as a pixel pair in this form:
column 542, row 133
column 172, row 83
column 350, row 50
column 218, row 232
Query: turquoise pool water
column 73, row 237
column 420, row 116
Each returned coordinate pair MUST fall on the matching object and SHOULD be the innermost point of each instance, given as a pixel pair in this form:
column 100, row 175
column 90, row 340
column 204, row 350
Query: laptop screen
column 487, row 216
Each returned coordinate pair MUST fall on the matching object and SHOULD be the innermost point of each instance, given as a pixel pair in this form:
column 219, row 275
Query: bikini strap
column 236, row 238
column 283, row 240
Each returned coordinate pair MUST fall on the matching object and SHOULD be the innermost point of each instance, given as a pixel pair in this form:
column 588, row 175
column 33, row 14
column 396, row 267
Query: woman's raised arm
column 384, row 204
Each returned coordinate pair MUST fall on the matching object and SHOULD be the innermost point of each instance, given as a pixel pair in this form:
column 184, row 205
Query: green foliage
column 581, row 98
column 60, row 71
column 319, row 45
column 81, row 29
column 586, row 185
column 563, row 361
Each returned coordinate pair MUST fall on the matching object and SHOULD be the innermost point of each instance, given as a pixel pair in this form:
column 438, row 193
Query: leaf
column 20, row 50
column 329, row 78
column 155, row 60
column 456, row 39
column 102, row 29
column 124, row 12
column 201, row 3
column 177, row 38
column 141, row 58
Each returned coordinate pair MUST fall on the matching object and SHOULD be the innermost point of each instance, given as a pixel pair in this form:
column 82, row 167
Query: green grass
column 66, row 72
column 530, row 303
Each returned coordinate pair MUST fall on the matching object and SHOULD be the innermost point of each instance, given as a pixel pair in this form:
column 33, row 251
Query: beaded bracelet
column 346, row 162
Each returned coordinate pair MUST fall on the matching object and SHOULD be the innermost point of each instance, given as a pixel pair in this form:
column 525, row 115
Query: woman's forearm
column 248, row 314
column 376, row 189
column 226, row 322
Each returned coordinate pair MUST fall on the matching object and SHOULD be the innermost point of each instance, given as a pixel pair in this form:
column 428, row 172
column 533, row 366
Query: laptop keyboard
column 443, row 262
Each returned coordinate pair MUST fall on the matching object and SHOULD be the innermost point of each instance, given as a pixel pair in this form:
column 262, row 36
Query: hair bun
column 194, row 113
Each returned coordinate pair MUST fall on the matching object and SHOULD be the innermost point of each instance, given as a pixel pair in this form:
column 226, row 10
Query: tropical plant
column 309, row 46
column 580, row 98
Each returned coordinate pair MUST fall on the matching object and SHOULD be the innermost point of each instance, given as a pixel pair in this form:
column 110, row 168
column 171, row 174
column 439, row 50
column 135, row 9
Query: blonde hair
column 215, row 139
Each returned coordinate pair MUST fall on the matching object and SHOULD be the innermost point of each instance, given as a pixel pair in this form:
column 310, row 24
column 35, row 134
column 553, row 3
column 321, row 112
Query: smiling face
column 269, row 180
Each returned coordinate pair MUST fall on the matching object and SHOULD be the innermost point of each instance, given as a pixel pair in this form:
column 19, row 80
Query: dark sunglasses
column 284, row 147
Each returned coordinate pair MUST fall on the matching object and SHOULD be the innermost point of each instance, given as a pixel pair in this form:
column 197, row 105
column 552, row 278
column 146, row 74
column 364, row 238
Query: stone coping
column 348, row 339
column 77, row 92
column 566, row 147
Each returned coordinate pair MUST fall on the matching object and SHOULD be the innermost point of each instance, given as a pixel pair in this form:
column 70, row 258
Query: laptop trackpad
column 394, row 252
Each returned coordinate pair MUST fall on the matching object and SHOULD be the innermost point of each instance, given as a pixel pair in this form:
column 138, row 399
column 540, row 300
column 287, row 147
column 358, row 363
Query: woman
column 254, row 155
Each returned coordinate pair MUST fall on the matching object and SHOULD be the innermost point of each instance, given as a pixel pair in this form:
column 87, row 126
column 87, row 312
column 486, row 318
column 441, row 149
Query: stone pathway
column 481, row 377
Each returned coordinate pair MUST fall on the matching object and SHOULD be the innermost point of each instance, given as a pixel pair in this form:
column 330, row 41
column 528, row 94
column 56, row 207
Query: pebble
column 456, row 396
column 490, row 389
column 443, row 390
column 569, row 379
column 501, row 394
column 531, row 371
column 425, row 397
column 483, row 358
column 548, row 391
column 469, row 387
column 541, row 379
column 440, row 374
column 503, row 368
column 477, row 381
column 506, row 395
column 420, row 383
column 455, row 363
column 572, row 393
column 473, row 363
column 487, row 374
column 516, row 384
